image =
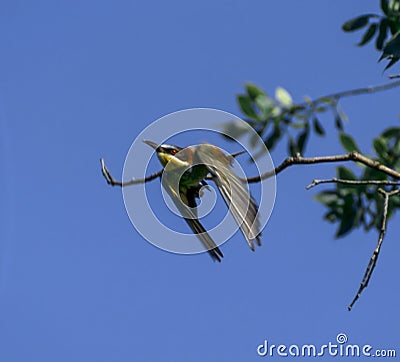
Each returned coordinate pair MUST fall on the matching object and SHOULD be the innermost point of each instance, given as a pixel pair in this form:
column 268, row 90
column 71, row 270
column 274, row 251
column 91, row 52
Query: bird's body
column 184, row 174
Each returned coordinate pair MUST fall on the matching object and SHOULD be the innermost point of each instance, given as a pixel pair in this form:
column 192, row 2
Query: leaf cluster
column 380, row 26
column 354, row 206
column 278, row 117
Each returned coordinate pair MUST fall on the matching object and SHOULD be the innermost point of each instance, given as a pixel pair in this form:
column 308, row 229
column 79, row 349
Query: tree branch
column 374, row 258
column 353, row 92
column 299, row 160
column 355, row 157
column 386, row 195
column 352, row 182
column 113, row 182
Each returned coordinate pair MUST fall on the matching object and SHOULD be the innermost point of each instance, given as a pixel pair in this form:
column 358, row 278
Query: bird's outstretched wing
column 236, row 195
column 189, row 199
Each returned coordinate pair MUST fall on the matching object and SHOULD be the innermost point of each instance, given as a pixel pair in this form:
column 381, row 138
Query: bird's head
column 169, row 153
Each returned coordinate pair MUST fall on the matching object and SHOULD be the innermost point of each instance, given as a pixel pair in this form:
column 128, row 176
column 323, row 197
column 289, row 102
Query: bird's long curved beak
column 151, row 144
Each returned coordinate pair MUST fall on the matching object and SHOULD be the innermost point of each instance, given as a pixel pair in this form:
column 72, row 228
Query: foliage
column 354, row 206
column 367, row 198
column 277, row 118
column 380, row 25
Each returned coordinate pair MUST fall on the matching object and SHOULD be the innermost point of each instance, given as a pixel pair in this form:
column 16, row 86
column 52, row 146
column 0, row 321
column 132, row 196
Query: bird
column 184, row 174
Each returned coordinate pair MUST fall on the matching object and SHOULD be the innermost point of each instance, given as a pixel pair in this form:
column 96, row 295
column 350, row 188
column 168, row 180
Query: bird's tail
column 206, row 239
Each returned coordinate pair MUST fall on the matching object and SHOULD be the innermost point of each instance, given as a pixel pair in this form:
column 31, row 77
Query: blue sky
column 80, row 81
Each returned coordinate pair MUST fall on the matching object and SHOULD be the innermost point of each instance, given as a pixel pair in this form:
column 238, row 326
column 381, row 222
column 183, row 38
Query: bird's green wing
column 237, row 197
column 190, row 216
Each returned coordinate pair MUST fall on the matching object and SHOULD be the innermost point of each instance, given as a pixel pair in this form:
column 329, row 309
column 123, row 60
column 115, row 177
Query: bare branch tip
column 312, row 184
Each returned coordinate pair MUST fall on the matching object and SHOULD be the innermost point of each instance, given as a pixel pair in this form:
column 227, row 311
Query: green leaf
column 359, row 218
column 302, row 140
column 348, row 143
column 348, row 217
column 396, row 147
column 345, row 173
column 271, row 140
column 392, row 62
column 327, row 198
column 332, row 216
column 298, row 125
column 327, row 100
column 385, row 6
column 356, row 23
column 265, row 104
column 253, row 91
column 292, row 147
column 338, row 123
column 319, row 130
column 373, row 174
column 276, row 111
column 300, row 116
column 283, row 97
column 392, row 47
column 319, row 109
column 380, row 146
column 394, row 5
column 379, row 212
column 394, row 201
column 346, row 224
column 380, row 40
column 246, row 107
column 394, row 26
column 392, row 132
column 368, row 35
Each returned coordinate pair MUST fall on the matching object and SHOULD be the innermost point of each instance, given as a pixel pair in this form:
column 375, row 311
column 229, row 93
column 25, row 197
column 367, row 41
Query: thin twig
column 353, row 92
column 352, row 182
column 374, row 258
column 299, row 160
column 113, row 182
